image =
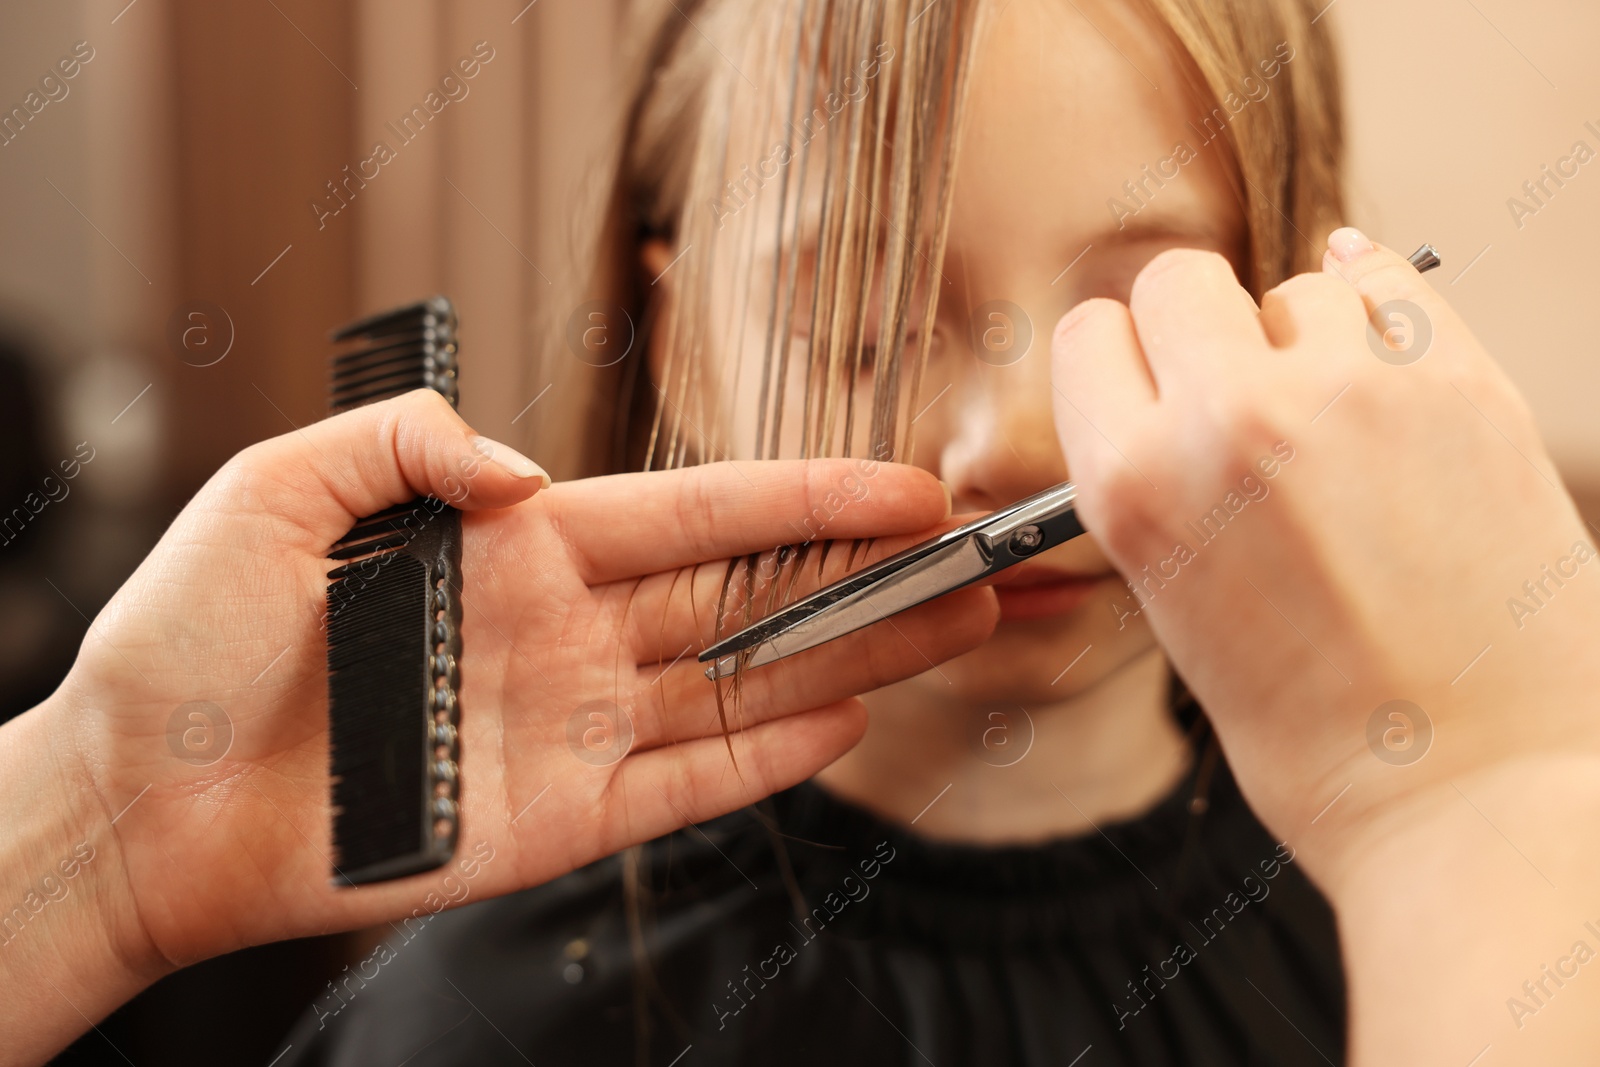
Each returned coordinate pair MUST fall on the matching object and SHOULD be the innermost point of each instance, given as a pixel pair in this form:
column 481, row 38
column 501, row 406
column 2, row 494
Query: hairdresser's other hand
column 1321, row 519
column 196, row 828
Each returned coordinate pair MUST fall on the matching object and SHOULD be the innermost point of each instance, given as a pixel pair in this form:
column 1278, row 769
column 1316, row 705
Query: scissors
column 920, row 573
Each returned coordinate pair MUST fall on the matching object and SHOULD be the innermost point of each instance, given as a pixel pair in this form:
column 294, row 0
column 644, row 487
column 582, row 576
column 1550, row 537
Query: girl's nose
column 1004, row 444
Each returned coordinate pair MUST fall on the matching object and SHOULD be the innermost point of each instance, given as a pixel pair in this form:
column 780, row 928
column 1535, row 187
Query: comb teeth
column 394, row 643
column 394, row 629
column 398, row 320
column 394, row 352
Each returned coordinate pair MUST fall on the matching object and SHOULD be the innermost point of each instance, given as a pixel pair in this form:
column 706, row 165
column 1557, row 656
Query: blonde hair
column 1289, row 151
column 884, row 176
column 902, row 136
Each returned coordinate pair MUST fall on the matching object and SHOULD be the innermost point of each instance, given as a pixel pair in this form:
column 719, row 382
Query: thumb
column 359, row 462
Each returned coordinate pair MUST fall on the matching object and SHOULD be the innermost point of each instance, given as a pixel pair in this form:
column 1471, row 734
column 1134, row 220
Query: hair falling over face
column 842, row 167
column 805, row 215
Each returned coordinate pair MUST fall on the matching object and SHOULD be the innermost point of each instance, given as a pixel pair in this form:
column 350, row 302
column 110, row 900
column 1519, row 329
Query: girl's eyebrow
column 1179, row 229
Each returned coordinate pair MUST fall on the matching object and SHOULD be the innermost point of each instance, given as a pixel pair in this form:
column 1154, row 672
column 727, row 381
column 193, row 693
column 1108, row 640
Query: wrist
column 72, row 947
column 1453, row 911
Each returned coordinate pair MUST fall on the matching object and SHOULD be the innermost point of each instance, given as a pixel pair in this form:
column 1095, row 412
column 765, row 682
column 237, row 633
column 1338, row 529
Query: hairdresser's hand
column 221, row 827
column 1318, row 525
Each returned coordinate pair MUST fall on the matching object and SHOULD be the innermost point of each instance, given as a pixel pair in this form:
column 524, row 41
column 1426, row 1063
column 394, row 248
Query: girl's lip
column 1043, row 594
column 1036, row 572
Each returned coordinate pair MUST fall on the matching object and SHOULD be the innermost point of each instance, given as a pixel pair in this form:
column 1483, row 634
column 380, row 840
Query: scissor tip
column 722, row 668
column 1425, row 258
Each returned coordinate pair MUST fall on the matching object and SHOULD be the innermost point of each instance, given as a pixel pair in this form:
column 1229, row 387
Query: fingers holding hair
column 628, row 525
column 680, row 703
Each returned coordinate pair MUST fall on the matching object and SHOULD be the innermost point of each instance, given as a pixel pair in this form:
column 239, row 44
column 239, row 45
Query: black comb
column 394, row 629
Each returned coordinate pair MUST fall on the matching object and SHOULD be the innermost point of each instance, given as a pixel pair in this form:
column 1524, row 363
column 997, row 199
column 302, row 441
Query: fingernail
column 1348, row 244
column 509, row 459
column 949, row 499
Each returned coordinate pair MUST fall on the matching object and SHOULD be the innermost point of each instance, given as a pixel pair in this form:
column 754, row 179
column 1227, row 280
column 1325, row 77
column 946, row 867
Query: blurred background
column 181, row 228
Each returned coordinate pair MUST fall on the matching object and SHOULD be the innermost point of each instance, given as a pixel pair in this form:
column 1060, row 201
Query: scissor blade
column 958, row 564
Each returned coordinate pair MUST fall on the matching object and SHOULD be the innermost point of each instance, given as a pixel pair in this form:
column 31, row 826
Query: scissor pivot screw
column 1027, row 540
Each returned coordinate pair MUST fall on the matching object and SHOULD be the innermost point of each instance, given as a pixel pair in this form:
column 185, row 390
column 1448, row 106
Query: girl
column 1028, row 859
column 844, row 229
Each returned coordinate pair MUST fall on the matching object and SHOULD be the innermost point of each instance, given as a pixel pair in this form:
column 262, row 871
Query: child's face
column 1063, row 111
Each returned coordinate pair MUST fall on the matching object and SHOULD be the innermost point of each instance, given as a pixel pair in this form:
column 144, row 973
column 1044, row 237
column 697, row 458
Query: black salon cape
column 910, row 953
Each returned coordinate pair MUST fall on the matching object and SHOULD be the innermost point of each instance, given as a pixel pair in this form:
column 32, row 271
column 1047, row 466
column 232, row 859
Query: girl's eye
column 865, row 370
column 869, row 348
column 869, row 356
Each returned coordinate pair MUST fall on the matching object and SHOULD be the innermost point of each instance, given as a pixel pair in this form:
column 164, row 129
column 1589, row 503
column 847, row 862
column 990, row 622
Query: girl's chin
column 1047, row 658
column 1013, row 666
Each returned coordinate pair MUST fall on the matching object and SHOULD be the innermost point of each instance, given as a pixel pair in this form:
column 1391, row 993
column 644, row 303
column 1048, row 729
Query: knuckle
column 247, row 462
column 418, row 414
column 266, row 474
column 694, row 501
column 811, row 507
column 1388, row 277
column 1184, row 259
column 1378, row 402
column 1245, row 423
column 272, row 466
column 1091, row 311
column 1311, row 288
column 1120, row 510
column 1181, row 261
column 421, row 402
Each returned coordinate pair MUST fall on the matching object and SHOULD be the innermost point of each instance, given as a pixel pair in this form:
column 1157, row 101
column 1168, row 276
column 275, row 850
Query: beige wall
column 1452, row 106
column 479, row 212
column 194, row 142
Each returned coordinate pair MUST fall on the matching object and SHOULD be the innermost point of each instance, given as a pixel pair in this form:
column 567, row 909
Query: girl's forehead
column 1080, row 128
column 1081, row 124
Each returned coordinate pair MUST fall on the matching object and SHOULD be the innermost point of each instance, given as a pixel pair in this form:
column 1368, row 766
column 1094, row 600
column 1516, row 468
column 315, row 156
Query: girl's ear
column 655, row 255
